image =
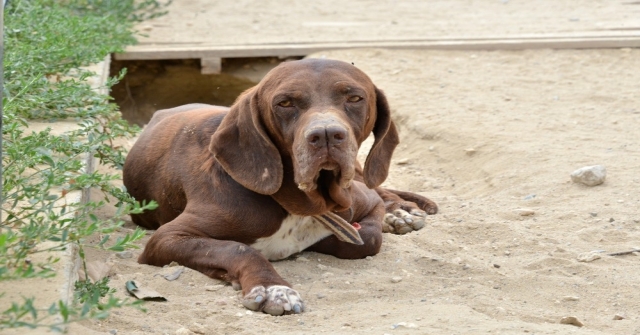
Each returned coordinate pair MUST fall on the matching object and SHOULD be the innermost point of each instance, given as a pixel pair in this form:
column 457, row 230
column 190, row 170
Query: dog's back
column 144, row 175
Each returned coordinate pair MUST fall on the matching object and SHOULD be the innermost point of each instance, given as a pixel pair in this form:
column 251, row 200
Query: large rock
column 589, row 175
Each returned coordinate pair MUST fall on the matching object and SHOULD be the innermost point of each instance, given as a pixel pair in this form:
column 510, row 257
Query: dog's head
column 314, row 113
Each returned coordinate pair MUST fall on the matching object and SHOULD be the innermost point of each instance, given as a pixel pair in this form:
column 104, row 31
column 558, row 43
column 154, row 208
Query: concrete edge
column 62, row 286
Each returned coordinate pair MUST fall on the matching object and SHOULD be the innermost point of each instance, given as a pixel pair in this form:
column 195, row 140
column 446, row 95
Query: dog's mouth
column 329, row 172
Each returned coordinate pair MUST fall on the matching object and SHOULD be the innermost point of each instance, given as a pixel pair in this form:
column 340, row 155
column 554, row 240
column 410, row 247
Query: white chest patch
column 296, row 233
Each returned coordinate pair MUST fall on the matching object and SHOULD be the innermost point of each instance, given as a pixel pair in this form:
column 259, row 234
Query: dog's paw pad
column 274, row 300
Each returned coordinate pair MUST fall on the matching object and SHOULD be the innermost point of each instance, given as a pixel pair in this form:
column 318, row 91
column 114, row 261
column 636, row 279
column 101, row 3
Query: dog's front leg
column 406, row 211
column 262, row 287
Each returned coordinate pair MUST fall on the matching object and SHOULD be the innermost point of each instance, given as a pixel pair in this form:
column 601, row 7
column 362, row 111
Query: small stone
column 368, row 258
column 466, row 267
column 403, row 161
column 320, row 296
column 213, row 287
column 184, row 331
column 198, row 328
column 113, row 331
column 590, row 175
column 396, row 279
column 302, row 259
column 529, row 197
column 239, row 314
column 507, row 253
column 611, row 219
column 470, row 151
column 571, row 320
column 322, row 267
column 497, row 266
column 570, row 298
column 594, row 214
column 525, row 211
column 618, row 317
column 124, row 254
column 589, row 256
column 401, row 325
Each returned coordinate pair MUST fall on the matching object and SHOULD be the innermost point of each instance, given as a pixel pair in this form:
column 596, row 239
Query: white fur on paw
column 274, row 300
column 402, row 222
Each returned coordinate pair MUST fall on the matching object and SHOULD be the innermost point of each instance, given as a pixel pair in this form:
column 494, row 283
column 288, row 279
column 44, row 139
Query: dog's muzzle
column 326, row 147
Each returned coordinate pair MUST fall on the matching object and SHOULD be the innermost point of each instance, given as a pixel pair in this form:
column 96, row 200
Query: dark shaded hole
column 151, row 85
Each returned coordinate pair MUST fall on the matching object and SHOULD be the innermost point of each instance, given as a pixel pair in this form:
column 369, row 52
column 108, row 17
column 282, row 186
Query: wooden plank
column 211, row 65
column 181, row 51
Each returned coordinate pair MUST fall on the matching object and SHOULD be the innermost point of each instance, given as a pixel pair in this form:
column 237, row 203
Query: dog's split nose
column 326, row 136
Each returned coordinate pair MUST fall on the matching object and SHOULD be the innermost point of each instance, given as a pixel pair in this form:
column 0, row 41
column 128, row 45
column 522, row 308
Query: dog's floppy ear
column 376, row 167
column 243, row 148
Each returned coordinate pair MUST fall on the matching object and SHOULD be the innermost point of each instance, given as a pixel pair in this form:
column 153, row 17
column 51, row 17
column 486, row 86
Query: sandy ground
column 486, row 135
column 200, row 24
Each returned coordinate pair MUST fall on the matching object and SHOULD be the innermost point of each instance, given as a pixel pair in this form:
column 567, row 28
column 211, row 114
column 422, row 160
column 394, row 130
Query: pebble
column 213, row 287
column 184, row 331
column 322, row 267
column 403, row 161
column 570, row 298
column 589, row 256
column 618, row 317
column 320, row 296
column 525, row 211
column 571, row 320
column 404, row 325
column 396, row 279
column 113, row 331
column 590, row 175
column 470, row 151
column 497, row 266
column 302, row 259
column 124, row 254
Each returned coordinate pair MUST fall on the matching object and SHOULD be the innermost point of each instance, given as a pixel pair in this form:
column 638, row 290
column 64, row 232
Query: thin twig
column 622, row 253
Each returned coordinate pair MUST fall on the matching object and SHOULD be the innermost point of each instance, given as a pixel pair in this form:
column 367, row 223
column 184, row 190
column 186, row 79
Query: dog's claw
column 418, row 212
column 297, row 309
column 259, row 299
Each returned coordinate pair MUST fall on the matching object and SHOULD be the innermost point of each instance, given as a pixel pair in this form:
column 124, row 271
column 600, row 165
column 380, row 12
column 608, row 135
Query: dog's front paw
column 274, row 300
column 402, row 222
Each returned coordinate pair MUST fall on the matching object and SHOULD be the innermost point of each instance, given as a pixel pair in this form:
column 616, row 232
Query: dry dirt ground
column 489, row 136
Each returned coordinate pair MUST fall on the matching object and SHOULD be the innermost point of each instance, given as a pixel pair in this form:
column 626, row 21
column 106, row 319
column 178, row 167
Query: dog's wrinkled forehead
column 314, row 73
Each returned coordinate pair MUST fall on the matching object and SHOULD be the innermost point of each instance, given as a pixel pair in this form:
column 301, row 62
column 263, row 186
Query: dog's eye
column 354, row 98
column 286, row 103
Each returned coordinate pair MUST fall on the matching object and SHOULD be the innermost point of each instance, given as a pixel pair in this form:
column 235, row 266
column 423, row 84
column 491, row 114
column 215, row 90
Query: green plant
column 47, row 43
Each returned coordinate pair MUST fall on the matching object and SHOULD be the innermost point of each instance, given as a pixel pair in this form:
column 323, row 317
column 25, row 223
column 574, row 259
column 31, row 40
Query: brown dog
column 241, row 186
